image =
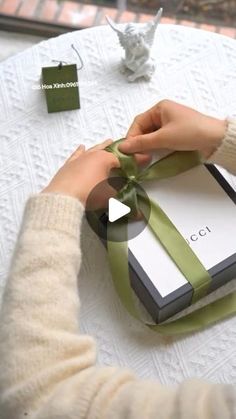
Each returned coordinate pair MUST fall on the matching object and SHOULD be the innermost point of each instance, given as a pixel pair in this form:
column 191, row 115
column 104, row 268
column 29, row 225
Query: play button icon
column 117, row 210
column 109, row 217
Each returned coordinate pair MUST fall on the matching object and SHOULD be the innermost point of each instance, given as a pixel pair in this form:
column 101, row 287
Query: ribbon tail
column 118, row 260
column 201, row 318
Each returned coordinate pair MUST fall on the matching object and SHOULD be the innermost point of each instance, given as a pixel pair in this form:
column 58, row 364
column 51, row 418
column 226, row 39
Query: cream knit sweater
column 47, row 368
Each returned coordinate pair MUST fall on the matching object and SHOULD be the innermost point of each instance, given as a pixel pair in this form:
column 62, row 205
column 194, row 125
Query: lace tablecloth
column 196, row 68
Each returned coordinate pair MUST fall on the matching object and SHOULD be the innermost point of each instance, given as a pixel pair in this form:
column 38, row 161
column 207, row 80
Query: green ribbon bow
column 170, row 238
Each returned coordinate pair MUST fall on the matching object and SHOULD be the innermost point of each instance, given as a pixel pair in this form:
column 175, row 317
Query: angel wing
column 120, row 34
column 150, row 28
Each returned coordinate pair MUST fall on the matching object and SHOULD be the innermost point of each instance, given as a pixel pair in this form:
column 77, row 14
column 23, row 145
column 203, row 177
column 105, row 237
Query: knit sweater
column 47, row 368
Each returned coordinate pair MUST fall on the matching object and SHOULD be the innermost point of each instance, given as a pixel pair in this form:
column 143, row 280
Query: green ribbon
column 170, row 238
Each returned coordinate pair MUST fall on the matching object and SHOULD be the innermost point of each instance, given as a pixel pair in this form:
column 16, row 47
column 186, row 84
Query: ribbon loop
column 128, row 165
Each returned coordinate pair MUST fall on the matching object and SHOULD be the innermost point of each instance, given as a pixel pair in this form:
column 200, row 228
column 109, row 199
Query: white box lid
column 195, row 202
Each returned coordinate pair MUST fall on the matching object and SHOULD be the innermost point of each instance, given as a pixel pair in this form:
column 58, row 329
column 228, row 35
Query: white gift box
column 201, row 205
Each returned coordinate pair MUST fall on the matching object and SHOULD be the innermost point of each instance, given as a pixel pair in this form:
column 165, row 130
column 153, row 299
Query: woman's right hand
column 170, row 125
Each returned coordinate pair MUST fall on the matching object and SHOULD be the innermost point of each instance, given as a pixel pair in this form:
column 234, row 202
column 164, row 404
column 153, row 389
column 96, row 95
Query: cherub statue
column 137, row 40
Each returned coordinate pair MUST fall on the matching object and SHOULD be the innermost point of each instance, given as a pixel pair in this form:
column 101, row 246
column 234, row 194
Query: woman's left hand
column 83, row 171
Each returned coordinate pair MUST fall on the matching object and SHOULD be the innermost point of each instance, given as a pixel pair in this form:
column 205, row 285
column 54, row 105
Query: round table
column 196, row 68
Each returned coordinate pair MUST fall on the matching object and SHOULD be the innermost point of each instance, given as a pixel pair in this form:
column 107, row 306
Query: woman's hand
column 86, row 169
column 173, row 126
column 83, row 171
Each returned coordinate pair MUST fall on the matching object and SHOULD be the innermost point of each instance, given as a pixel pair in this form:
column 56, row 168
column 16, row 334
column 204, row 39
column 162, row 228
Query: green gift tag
column 61, row 87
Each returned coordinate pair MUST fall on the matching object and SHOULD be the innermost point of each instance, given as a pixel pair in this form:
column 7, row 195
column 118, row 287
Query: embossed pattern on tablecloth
column 195, row 68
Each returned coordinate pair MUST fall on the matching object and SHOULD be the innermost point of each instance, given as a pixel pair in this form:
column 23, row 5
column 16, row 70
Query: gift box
column 194, row 207
column 201, row 204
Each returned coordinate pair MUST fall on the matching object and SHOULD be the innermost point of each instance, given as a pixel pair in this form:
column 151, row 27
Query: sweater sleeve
column 47, row 367
column 225, row 155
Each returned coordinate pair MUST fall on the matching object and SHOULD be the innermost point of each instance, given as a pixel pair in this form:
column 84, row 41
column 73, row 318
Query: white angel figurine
column 137, row 40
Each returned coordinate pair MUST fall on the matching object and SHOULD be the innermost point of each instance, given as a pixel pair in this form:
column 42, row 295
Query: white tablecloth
column 194, row 67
